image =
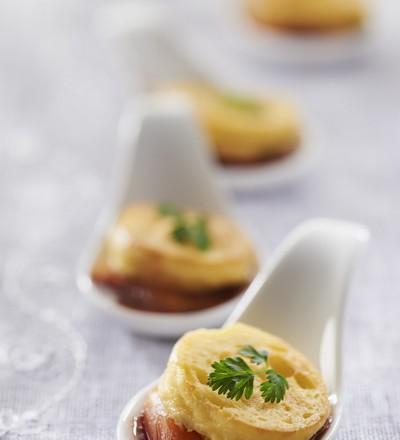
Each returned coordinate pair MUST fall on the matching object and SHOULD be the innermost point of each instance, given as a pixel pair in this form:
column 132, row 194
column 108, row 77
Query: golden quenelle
column 309, row 15
column 141, row 247
column 243, row 129
column 191, row 403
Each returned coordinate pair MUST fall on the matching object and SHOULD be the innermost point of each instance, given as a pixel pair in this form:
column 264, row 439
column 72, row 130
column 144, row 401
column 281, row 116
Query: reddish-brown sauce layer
column 138, row 429
column 158, row 299
column 255, row 162
column 154, row 424
column 320, row 434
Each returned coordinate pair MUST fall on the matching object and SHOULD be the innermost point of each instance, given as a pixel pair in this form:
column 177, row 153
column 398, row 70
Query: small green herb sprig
column 241, row 102
column 184, row 231
column 168, row 209
column 234, row 378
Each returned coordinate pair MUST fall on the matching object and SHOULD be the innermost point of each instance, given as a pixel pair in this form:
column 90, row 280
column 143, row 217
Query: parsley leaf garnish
column 166, row 209
column 199, row 234
column 274, row 388
column 256, row 357
column 187, row 231
column 241, row 102
column 181, row 233
column 233, row 377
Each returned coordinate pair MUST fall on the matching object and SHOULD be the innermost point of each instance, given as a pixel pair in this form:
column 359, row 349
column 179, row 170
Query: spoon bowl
column 300, row 297
column 162, row 157
column 241, row 34
column 143, row 34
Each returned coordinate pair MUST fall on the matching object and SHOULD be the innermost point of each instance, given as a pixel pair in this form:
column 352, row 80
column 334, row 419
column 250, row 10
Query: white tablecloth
column 66, row 370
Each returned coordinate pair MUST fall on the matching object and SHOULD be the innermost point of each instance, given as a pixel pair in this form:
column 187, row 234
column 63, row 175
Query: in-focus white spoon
column 143, row 34
column 162, row 157
column 300, row 297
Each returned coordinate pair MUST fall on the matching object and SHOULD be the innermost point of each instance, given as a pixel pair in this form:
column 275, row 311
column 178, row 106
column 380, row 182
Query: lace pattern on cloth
column 41, row 349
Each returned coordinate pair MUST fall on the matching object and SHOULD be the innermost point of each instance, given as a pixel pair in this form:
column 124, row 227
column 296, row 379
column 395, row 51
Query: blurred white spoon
column 144, row 36
column 239, row 32
column 300, row 297
column 163, row 157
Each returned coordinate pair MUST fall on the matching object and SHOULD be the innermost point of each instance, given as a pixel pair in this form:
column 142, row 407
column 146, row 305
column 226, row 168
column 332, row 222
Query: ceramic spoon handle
column 168, row 159
column 145, row 37
column 300, row 294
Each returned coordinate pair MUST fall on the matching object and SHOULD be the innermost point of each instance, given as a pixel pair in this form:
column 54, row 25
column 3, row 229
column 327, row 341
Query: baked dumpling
column 194, row 406
column 243, row 129
column 147, row 245
column 308, row 15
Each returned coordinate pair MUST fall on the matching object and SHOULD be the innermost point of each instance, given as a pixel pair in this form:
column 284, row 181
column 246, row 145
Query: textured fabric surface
column 66, row 369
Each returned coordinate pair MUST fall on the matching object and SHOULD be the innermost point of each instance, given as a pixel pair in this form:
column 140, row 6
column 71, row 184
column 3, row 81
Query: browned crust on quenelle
column 306, row 28
column 134, row 294
column 259, row 160
column 103, row 274
column 144, row 424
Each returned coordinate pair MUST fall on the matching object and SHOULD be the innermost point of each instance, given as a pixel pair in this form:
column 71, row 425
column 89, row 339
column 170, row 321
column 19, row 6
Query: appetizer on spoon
column 294, row 33
column 258, row 140
column 309, row 15
column 166, row 257
column 161, row 258
column 243, row 129
column 235, row 383
column 243, row 382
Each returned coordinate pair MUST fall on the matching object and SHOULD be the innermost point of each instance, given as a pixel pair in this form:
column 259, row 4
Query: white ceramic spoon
column 163, row 157
column 143, row 34
column 231, row 23
column 300, row 297
column 140, row 32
